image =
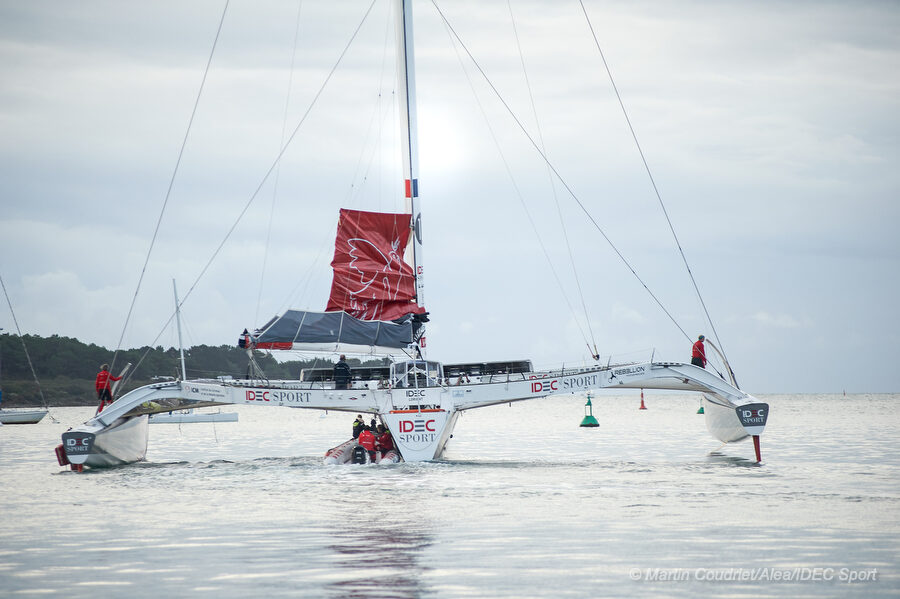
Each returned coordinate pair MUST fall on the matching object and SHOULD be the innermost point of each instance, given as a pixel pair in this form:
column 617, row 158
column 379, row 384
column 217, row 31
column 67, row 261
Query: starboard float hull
column 722, row 421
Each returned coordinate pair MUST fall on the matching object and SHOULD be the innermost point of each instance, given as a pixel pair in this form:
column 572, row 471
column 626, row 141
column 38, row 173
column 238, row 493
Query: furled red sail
column 371, row 280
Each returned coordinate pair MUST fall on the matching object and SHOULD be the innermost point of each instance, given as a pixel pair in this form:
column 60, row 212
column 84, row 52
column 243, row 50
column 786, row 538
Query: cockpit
column 416, row 374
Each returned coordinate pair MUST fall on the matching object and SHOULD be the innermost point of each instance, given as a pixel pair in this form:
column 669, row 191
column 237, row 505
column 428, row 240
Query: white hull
column 421, row 436
column 21, row 416
column 722, row 421
column 123, row 442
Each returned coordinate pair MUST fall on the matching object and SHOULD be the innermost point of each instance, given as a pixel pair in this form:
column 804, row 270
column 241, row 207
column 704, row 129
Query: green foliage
column 66, row 368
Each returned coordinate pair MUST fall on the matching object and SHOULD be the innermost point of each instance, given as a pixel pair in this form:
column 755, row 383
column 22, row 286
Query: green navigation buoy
column 589, row 419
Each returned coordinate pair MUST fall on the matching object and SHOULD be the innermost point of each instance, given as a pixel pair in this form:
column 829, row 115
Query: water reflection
column 715, row 457
column 383, row 558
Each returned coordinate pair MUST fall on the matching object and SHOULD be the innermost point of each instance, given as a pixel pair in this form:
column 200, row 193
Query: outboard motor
column 359, row 455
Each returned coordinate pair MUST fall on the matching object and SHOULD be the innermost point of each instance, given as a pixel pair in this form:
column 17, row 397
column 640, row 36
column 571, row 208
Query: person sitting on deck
column 383, row 439
column 698, row 353
column 342, row 374
column 358, row 425
column 104, row 394
column 367, row 440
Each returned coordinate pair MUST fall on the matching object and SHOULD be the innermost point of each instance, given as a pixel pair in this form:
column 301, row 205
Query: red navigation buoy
column 643, row 407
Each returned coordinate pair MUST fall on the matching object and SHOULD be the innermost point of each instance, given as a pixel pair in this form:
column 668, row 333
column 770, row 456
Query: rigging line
column 297, row 298
column 550, row 177
column 367, row 155
column 387, row 108
column 268, row 172
column 280, row 153
column 25, row 348
column 287, row 104
column 171, row 183
column 649, row 173
column 558, row 176
column 518, row 192
column 376, row 124
column 150, row 347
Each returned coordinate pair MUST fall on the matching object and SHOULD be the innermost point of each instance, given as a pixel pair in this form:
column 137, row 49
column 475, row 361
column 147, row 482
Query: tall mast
column 178, row 320
column 406, row 76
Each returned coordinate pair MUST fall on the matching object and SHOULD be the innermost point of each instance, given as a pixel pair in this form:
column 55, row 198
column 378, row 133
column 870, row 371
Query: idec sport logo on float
column 572, row 383
column 277, row 396
column 545, row 386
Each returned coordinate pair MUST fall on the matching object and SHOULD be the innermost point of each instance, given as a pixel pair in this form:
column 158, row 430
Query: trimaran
column 377, row 306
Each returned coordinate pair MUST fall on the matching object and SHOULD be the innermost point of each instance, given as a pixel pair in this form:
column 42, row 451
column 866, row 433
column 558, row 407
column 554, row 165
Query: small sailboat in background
column 22, row 416
column 191, row 415
column 18, row 415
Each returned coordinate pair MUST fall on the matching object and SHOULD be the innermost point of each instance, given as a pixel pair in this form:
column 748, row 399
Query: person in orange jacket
column 383, row 440
column 104, row 394
column 698, row 353
column 367, row 440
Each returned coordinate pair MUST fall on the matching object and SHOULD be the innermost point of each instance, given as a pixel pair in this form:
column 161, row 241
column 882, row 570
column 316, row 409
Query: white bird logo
column 384, row 272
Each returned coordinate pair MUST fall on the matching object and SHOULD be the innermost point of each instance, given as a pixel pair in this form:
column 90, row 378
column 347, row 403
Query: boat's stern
column 77, row 446
column 421, row 435
column 753, row 418
column 122, row 442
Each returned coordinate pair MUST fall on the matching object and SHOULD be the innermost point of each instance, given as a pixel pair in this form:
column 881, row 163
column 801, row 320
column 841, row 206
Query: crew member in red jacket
column 103, row 391
column 384, row 441
column 367, row 440
column 698, row 353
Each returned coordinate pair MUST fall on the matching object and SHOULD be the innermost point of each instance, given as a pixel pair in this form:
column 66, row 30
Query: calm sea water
column 527, row 504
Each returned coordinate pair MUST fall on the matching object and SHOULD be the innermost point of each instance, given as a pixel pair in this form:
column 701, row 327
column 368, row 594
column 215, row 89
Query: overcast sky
column 771, row 129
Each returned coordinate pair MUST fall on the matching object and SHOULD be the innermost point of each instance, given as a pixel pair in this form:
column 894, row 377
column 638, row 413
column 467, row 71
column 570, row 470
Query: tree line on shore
column 66, row 368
